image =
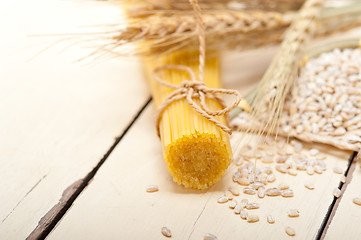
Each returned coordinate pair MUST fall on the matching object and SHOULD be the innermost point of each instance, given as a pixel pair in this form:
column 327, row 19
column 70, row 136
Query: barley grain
column 310, row 186
column 244, row 214
column 271, row 178
column 293, row 213
column 283, row 186
column 281, row 168
column 166, row 232
column 318, row 169
column 239, row 161
column 209, row 236
column 337, row 192
column 243, row 181
column 337, row 170
column 252, row 205
column 252, row 218
column 233, row 190
column 310, row 170
column 233, row 204
column 271, row 219
column 292, row 172
column 343, row 179
column 257, row 185
column 273, row 192
column 222, row 199
column 290, row 231
column 357, row 201
column 152, row 188
column 261, row 192
column 228, row 195
column 243, row 203
column 287, row 193
column 238, row 209
column 249, row 190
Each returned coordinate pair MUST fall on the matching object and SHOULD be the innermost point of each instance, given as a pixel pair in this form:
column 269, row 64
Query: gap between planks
column 48, row 222
column 335, row 202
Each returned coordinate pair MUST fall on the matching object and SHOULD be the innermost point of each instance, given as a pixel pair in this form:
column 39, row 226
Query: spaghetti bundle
column 195, row 150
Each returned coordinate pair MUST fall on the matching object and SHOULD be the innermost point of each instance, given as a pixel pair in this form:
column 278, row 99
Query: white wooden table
column 78, row 145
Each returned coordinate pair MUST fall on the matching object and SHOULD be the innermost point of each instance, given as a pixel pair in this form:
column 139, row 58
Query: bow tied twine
column 189, row 89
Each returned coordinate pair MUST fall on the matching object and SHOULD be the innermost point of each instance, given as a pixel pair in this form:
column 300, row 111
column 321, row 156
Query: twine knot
column 196, row 85
column 189, row 89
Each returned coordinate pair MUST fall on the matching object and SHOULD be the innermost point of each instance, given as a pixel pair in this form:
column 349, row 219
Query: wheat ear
column 276, row 82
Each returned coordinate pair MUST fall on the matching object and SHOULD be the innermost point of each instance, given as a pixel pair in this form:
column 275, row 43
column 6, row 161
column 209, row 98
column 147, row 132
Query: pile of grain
column 325, row 103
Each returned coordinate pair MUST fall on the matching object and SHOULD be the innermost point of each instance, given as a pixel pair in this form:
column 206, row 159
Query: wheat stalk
column 163, row 34
column 225, row 29
column 268, row 100
column 161, row 5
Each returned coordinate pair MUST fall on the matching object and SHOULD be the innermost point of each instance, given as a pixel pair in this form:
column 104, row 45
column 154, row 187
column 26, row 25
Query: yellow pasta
column 196, row 152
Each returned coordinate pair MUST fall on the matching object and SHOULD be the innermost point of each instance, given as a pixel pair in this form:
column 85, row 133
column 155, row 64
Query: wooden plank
column 116, row 206
column 58, row 117
column 346, row 215
column 122, row 209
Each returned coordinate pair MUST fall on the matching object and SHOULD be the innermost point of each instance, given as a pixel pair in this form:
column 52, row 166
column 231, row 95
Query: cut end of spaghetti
column 198, row 161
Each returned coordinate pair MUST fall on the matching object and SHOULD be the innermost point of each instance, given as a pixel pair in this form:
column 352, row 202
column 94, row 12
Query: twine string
column 192, row 88
column 189, row 89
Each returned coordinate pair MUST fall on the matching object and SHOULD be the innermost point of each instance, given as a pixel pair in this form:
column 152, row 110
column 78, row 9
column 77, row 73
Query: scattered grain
column 209, row 236
column 261, row 192
column 310, row 186
column 337, row 170
column 271, row 219
column 228, row 195
column 249, row 190
column 281, row 168
column 271, row 178
column 292, row 172
column 290, row 231
column 283, row 186
column 152, row 188
column 318, row 169
column 233, row 204
column 252, row 218
column 244, row 214
column 233, row 190
column 287, row 193
column 343, row 179
column 238, row 209
column 337, row 192
column 222, row 199
column 293, row 213
column 243, row 181
column 257, row 185
column 252, row 205
column 357, row 201
column 166, row 232
column 273, row 192
column 310, row 170
column 239, row 161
